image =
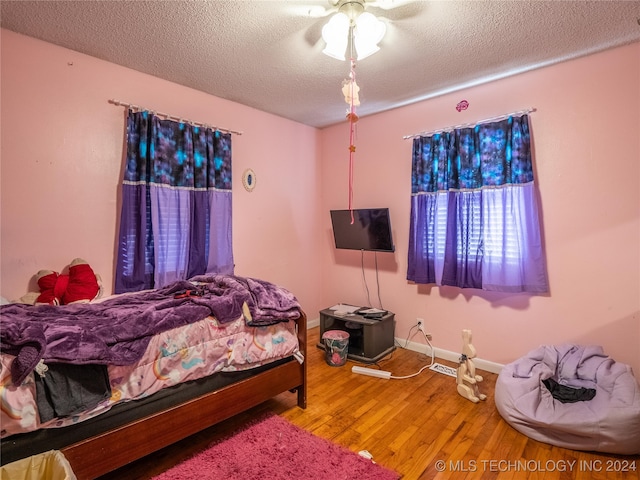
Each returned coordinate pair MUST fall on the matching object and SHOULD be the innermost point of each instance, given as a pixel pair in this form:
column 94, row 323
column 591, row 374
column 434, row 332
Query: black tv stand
column 370, row 339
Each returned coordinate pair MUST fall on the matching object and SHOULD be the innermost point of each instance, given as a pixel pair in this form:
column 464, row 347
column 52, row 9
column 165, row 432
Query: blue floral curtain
column 474, row 210
column 176, row 203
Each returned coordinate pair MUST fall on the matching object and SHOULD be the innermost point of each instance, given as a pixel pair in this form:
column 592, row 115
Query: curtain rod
column 118, row 103
column 466, row 125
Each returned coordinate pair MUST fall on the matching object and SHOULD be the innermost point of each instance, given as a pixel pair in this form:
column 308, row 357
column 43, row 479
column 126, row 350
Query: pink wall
column 587, row 154
column 62, row 150
column 60, row 178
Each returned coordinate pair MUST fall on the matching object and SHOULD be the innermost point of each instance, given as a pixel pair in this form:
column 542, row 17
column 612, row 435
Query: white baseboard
column 481, row 364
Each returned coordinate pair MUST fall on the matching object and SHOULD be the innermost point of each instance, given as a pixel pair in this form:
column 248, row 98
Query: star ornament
column 352, row 117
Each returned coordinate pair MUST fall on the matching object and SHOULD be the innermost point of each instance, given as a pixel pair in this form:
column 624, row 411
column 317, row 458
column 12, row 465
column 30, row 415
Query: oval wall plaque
column 249, row 179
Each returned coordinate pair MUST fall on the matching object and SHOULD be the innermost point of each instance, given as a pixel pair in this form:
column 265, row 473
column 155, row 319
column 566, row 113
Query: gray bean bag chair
column 574, row 397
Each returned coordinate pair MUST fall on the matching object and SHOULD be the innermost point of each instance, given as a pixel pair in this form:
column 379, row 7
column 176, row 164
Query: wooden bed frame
column 108, row 451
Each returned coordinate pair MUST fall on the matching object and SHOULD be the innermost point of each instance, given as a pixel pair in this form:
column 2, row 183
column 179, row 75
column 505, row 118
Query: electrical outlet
column 423, row 328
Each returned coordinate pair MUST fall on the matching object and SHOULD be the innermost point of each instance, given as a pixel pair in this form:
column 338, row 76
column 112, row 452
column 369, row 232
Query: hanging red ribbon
column 353, row 118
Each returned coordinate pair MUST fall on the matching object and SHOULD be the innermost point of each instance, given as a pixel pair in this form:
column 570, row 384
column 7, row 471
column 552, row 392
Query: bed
column 217, row 345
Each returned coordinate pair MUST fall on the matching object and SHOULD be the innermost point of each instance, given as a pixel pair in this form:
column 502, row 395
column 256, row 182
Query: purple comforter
column 117, row 331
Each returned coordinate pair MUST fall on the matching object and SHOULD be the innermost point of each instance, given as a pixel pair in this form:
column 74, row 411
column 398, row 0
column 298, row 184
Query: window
column 474, row 216
column 176, row 208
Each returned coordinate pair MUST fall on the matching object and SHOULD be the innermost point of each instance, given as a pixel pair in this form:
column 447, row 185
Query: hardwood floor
column 420, row 427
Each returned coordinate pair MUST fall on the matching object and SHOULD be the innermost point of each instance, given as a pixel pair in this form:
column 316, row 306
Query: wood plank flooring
column 419, row 427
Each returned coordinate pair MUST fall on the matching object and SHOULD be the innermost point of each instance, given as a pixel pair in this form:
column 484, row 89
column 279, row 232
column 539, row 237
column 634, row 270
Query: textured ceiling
column 267, row 54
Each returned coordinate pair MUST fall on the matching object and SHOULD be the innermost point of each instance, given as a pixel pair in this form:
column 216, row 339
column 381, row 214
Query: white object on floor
column 371, row 372
column 444, row 369
column 467, row 379
column 366, row 454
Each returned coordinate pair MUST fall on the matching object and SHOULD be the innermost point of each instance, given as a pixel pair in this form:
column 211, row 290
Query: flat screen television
column 370, row 230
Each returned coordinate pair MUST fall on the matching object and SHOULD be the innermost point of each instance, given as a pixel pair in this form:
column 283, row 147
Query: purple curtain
column 474, row 211
column 176, row 204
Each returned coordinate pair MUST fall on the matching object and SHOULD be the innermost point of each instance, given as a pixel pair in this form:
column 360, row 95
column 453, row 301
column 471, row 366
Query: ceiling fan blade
column 311, row 8
column 401, row 11
column 317, row 11
column 387, row 4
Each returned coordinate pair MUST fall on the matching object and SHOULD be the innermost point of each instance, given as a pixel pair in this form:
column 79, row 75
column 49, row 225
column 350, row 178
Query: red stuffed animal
column 80, row 285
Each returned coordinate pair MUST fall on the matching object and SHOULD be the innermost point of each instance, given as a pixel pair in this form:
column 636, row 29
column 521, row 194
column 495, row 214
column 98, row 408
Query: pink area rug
column 272, row 448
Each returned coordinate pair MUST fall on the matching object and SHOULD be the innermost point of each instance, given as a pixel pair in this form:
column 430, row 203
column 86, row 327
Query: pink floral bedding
column 178, row 355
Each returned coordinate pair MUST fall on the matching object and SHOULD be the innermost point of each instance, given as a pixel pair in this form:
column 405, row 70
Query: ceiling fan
column 318, row 11
column 353, row 26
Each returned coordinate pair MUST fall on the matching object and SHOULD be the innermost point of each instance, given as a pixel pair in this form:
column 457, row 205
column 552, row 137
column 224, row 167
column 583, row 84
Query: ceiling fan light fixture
column 365, row 50
column 362, row 28
column 368, row 33
column 336, row 35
